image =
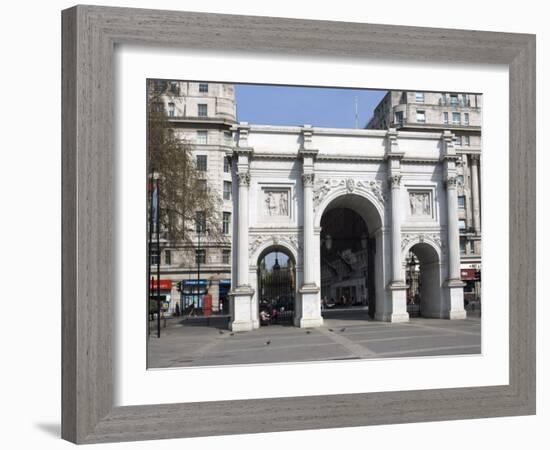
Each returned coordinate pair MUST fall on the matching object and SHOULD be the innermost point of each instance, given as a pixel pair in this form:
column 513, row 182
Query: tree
column 185, row 201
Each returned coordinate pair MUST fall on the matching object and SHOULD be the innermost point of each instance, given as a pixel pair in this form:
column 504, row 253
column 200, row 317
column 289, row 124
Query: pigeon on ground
column 220, row 331
column 308, row 332
column 231, row 334
column 343, row 329
column 268, row 342
column 330, row 329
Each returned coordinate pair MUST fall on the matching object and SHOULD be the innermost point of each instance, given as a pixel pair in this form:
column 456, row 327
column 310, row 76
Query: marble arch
column 403, row 184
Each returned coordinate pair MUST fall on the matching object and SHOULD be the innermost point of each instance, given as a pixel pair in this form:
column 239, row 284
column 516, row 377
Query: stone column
column 395, row 186
column 308, row 308
column 474, row 167
column 242, row 231
column 308, row 260
column 452, row 229
column 242, row 295
column 453, row 308
column 396, row 310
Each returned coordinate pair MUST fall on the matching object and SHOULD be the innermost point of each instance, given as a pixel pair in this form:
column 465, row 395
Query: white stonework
column 399, row 183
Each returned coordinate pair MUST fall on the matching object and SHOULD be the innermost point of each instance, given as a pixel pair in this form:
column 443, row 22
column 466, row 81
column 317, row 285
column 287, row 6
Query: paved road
column 345, row 335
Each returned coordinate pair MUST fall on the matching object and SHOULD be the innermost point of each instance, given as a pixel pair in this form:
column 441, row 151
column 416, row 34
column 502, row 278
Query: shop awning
column 165, row 285
column 194, row 282
column 468, row 274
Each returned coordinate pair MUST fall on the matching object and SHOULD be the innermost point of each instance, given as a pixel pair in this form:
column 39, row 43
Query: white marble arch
column 261, row 245
column 368, row 171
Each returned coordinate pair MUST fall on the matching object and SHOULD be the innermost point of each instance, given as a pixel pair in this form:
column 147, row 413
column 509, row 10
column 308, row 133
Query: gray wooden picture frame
column 90, row 34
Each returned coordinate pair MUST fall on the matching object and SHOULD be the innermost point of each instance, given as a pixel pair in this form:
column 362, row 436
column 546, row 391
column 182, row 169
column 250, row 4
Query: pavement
column 345, row 335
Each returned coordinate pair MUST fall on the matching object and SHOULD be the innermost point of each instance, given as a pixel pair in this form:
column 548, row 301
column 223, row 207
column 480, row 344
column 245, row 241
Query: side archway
column 423, row 268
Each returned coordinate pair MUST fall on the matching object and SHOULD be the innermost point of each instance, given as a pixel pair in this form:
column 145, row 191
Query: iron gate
column 276, row 290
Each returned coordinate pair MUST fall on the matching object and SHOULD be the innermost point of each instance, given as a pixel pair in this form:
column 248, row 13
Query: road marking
column 360, row 351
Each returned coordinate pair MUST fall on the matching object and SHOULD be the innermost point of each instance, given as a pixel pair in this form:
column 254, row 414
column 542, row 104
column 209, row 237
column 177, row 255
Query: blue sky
column 321, row 107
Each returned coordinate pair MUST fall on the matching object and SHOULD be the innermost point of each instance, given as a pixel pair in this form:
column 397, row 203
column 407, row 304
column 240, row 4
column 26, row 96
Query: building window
column 227, row 164
column 466, row 118
column 461, row 201
column 202, row 137
column 227, row 190
column 226, row 222
column 420, row 97
column 167, row 257
column 226, row 256
column 200, row 221
column 399, row 118
column 203, row 87
column 174, row 87
column 154, row 254
column 171, row 109
column 454, row 99
column 158, row 107
column 200, row 256
column 456, row 118
column 202, row 110
column 159, row 85
column 421, row 116
column 462, row 246
column 203, row 186
column 445, row 117
column 202, row 163
column 461, row 224
column 457, row 140
column 465, row 101
column 466, row 141
column 227, row 137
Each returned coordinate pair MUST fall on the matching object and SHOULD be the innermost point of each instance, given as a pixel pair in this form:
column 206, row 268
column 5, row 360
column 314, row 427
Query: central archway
column 351, row 257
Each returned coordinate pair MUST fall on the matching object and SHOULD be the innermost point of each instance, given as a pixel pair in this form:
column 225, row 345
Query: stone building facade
column 203, row 115
column 460, row 113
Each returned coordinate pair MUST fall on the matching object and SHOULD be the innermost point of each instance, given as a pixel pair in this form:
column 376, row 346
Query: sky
column 296, row 106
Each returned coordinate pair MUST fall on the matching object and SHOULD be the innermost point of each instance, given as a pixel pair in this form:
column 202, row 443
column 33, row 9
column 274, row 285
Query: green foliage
column 181, row 185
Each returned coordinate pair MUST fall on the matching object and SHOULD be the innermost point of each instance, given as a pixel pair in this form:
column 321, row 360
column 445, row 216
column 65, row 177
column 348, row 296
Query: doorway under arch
column 349, row 274
column 276, row 286
column 423, row 275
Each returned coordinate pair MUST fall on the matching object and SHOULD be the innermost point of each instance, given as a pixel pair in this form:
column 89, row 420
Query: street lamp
column 328, row 242
column 154, row 217
column 200, row 229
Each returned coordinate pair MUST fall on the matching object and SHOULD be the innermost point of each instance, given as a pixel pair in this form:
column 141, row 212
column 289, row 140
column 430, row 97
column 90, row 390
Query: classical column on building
column 474, row 168
column 398, row 289
column 455, row 302
column 308, row 310
column 242, row 294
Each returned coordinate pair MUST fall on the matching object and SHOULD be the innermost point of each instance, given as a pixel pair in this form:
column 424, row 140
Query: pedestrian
column 177, row 310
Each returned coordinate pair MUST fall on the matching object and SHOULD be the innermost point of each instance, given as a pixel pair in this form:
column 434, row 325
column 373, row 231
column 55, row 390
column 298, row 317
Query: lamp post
column 200, row 229
column 154, row 218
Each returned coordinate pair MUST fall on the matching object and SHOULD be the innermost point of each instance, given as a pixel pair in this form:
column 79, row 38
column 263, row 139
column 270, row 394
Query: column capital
column 451, row 182
column 394, row 181
column 308, row 179
column 244, row 178
column 475, row 159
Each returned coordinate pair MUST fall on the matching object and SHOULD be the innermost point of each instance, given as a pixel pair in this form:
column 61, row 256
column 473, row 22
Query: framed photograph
column 267, row 230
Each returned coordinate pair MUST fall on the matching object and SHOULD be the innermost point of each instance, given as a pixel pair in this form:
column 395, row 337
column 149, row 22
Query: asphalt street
column 344, row 335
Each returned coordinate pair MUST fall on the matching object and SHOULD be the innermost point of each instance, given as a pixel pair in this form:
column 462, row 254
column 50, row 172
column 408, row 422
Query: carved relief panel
column 276, row 202
column 420, row 204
